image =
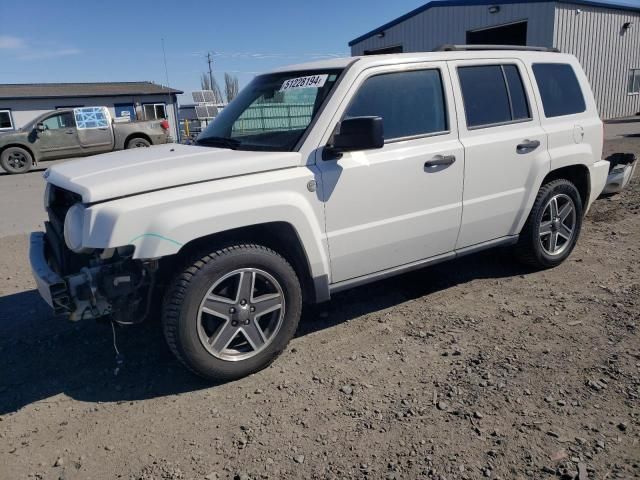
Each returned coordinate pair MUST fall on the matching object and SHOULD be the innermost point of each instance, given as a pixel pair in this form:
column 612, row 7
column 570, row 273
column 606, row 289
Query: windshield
column 271, row 113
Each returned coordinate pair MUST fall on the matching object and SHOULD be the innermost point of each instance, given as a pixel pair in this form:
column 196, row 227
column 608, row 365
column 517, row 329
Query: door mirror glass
column 358, row 133
column 40, row 127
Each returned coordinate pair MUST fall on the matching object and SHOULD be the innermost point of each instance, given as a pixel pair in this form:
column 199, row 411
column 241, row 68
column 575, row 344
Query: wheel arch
column 577, row 174
column 280, row 236
column 24, row 147
column 136, row 135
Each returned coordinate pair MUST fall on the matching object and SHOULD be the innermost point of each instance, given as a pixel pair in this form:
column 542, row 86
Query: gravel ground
column 472, row 369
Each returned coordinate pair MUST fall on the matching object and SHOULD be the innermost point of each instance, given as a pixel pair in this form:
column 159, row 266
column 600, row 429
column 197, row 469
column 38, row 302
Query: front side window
column 62, row 120
column 6, row 122
column 559, row 89
column 634, row 81
column 272, row 113
column 493, row 95
column 409, row 103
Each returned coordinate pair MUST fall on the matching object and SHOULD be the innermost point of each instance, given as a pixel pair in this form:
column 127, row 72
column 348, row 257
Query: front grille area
column 63, row 260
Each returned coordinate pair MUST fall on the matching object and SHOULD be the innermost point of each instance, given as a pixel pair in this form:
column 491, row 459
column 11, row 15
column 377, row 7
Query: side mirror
column 40, row 127
column 358, row 133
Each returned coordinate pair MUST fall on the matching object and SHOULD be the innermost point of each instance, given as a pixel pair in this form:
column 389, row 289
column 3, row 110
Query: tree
column 205, row 84
column 230, row 86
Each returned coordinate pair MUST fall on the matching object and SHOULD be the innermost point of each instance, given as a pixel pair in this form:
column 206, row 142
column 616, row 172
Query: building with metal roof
column 21, row 103
column 604, row 36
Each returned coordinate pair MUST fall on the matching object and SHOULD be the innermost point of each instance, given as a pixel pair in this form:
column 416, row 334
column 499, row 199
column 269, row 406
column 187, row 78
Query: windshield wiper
column 219, row 142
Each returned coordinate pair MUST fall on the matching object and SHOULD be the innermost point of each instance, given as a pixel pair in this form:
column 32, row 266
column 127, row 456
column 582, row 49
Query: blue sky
column 92, row 41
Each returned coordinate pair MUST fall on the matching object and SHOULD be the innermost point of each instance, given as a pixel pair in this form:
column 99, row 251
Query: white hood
column 128, row 172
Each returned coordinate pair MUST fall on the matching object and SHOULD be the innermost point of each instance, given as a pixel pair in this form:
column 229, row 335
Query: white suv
column 318, row 178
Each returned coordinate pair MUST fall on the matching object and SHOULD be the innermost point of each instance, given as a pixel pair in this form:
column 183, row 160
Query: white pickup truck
column 318, row 178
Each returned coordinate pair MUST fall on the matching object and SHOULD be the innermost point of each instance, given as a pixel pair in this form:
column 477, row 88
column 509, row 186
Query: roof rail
column 454, row 48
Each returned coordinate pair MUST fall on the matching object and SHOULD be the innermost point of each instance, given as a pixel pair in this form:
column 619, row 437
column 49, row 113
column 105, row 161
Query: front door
column 505, row 147
column 390, row 207
column 60, row 137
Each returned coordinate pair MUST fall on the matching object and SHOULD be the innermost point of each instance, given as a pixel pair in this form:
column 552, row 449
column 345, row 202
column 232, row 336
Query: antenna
column 164, row 55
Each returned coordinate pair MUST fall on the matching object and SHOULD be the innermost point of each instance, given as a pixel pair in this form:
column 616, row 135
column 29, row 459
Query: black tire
column 529, row 249
column 16, row 160
column 138, row 142
column 181, row 309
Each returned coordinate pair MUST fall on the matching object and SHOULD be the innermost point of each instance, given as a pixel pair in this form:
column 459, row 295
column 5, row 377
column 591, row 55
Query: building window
column 493, row 95
column 409, row 103
column 154, row 111
column 559, row 88
column 634, row 81
column 6, row 120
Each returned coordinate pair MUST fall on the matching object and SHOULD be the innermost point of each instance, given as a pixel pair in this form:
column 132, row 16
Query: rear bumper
column 620, row 174
column 51, row 286
column 598, row 172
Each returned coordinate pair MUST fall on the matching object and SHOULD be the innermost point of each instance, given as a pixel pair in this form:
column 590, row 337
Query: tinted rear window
column 410, row 103
column 485, row 95
column 559, row 89
column 493, row 94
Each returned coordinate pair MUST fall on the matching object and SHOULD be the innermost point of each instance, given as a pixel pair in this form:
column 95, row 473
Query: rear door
column 60, row 136
column 505, row 147
column 94, row 129
column 388, row 207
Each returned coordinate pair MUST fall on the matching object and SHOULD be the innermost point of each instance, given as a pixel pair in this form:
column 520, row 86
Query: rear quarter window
column 559, row 89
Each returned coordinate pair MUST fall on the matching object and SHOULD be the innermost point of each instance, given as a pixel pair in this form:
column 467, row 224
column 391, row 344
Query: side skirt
column 391, row 272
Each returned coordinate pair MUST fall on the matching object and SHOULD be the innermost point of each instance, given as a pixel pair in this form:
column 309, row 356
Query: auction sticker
column 312, row 81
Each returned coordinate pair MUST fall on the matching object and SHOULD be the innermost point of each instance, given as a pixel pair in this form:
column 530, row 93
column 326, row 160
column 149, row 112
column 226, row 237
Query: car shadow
column 38, row 169
column 44, row 357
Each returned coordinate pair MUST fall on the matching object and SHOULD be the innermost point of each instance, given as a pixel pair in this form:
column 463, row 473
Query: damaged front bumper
column 120, row 288
column 51, row 286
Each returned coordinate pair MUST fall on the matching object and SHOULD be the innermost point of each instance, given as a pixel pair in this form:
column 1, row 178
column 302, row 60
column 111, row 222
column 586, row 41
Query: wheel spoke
column 553, row 242
column 254, row 334
column 266, row 304
column 545, row 228
column 218, row 306
column 223, row 338
column 553, row 205
column 565, row 232
column 565, row 211
column 245, row 286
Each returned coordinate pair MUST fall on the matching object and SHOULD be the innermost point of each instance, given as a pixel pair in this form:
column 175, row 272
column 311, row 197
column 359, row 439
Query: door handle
column 527, row 146
column 69, row 132
column 440, row 160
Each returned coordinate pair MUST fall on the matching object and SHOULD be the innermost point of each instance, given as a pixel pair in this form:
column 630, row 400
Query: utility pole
column 210, row 61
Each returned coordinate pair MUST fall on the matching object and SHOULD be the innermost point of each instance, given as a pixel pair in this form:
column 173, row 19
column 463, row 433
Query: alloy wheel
column 17, row 160
column 558, row 224
column 241, row 314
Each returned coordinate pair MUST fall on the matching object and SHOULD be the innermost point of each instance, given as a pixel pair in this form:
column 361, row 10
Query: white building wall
column 25, row 110
column 439, row 25
column 606, row 51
